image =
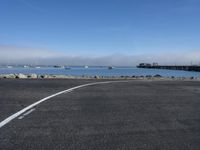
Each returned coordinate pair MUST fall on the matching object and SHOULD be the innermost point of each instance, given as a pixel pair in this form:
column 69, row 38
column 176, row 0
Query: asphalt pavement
column 133, row 115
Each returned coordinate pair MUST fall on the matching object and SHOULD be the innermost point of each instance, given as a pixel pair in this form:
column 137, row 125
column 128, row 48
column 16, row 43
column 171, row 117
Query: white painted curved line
column 17, row 114
column 27, row 113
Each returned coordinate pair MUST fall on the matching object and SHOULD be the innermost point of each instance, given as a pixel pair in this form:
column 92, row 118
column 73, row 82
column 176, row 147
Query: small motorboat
column 9, row 66
column 110, row 67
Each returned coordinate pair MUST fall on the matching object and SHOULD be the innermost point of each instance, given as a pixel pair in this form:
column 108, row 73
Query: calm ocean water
column 100, row 71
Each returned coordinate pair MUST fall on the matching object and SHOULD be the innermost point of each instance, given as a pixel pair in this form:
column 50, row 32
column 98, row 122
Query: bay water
column 99, row 71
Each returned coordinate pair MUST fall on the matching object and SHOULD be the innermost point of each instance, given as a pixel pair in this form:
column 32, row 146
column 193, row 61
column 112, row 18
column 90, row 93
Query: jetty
column 170, row 67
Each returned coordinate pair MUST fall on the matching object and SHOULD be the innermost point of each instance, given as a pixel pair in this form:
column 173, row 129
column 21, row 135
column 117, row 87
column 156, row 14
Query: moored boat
column 110, row 67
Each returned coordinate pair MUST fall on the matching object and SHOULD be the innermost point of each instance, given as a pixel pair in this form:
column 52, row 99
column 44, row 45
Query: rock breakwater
column 49, row 76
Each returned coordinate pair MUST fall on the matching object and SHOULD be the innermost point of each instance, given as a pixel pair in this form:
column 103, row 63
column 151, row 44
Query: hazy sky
column 146, row 30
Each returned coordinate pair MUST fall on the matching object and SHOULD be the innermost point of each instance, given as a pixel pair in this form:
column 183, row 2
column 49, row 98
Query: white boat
column 9, row 66
column 85, row 67
column 26, row 66
column 57, row 66
column 110, row 67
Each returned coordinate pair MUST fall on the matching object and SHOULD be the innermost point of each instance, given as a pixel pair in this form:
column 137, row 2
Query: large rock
column 21, row 76
column 96, row 77
column 59, row 76
column 157, row 76
column 9, row 76
column 45, row 76
column 32, row 76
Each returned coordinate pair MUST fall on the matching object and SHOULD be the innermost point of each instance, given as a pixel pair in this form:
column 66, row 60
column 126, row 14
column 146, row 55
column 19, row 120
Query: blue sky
column 102, row 27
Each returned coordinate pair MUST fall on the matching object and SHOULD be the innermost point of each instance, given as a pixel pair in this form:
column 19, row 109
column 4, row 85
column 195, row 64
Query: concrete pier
column 179, row 67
